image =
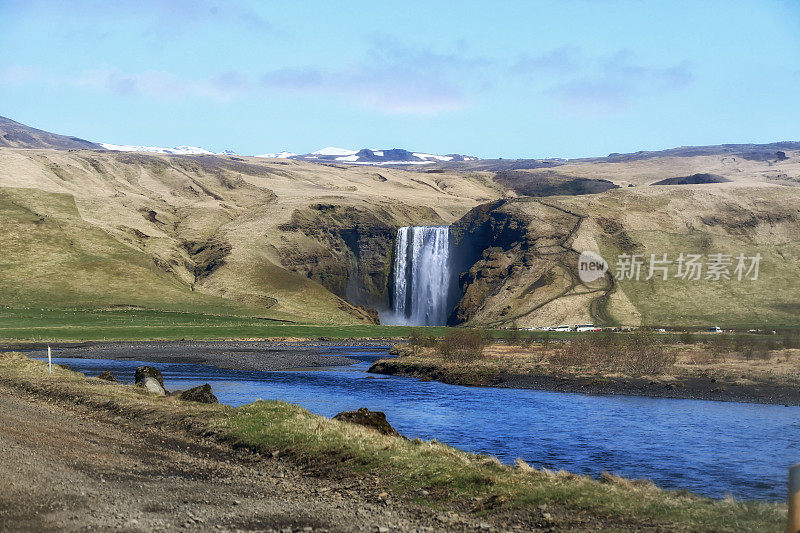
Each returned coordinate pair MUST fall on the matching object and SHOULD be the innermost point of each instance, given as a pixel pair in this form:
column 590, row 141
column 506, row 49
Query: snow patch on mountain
column 178, row 150
column 279, row 155
column 330, row 150
column 367, row 156
column 330, row 154
column 432, row 156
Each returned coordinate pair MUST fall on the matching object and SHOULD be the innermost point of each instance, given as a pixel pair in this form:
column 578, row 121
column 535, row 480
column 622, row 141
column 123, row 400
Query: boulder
column 107, row 376
column 148, row 372
column 152, row 385
column 201, row 394
column 371, row 419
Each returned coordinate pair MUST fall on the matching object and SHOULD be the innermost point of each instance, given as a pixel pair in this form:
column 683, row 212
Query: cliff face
column 507, row 257
column 352, row 257
column 519, row 258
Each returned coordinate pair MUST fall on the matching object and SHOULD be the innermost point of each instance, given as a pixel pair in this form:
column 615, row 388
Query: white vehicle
column 565, row 327
column 586, row 327
column 715, row 329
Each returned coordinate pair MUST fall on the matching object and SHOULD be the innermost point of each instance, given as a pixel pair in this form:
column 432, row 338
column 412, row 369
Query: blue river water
column 711, row 448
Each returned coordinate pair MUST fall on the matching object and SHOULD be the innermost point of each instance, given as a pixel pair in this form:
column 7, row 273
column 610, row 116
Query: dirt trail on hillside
column 68, row 468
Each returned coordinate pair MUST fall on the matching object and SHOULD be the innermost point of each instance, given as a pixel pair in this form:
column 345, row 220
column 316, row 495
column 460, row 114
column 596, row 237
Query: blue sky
column 494, row 79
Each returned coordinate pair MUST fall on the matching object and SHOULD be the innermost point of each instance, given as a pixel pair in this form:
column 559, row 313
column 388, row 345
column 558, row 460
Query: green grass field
column 94, row 325
column 32, row 324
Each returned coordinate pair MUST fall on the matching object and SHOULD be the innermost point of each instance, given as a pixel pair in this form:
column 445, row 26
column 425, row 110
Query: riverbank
column 422, row 483
column 231, row 355
column 694, row 374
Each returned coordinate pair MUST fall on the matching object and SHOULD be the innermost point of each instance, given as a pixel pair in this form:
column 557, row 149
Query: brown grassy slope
column 16, row 135
column 296, row 239
column 51, row 256
column 650, row 170
column 220, row 227
column 729, row 218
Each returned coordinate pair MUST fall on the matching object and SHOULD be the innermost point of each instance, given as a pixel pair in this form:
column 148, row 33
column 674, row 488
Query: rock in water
column 148, row 372
column 371, row 419
column 107, row 376
column 200, row 394
column 152, row 385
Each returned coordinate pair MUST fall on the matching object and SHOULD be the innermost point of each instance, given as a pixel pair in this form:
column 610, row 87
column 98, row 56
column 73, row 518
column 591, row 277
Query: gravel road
column 65, row 467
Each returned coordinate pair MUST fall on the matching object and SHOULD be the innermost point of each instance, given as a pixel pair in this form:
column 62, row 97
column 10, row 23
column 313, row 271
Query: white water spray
column 421, row 275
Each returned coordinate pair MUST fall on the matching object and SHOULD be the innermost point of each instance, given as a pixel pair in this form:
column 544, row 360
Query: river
column 711, row 448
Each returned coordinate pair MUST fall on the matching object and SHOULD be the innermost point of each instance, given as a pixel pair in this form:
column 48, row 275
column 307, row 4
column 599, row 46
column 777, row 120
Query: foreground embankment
column 119, row 456
column 637, row 367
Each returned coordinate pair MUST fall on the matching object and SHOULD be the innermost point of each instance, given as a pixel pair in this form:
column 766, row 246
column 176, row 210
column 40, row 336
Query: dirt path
column 65, row 467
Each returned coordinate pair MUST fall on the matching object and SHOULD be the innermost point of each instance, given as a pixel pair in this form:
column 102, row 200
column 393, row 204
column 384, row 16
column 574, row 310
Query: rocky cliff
column 354, row 254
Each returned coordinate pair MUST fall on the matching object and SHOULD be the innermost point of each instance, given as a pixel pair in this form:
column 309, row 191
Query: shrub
column 513, row 336
column 545, row 339
column 720, row 345
column 763, row 350
column 574, row 353
column 739, row 342
column 772, row 344
column 419, row 337
column 791, row 339
column 638, row 353
column 647, row 354
column 463, row 344
column 748, row 351
column 686, row 337
column 606, row 340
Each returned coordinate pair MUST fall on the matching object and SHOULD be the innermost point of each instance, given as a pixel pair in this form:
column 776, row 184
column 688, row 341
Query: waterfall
column 421, row 275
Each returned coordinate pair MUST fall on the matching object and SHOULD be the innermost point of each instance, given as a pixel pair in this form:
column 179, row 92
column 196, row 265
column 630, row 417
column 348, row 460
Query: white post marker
column 49, row 360
column 793, row 523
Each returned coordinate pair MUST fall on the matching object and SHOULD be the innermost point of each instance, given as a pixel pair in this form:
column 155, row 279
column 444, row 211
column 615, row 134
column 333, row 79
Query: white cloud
column 586, row 83
column 392, row 78
column 396, row 79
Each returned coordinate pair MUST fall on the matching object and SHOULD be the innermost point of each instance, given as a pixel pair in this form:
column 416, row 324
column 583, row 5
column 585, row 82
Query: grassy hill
column 726, row 218
column 312, row 243
column 16, row 135
column 280, row 239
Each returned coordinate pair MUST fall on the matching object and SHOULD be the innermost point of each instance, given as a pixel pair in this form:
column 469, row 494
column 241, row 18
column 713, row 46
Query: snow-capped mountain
column 279, row 155
column 332, row 151
column 178, row 150
column 367, row 156
column 330, row 154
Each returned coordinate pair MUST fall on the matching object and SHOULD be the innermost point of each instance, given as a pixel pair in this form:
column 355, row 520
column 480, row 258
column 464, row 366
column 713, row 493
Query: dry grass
column 636, row 354
column 622, row 354
column 777, row 366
